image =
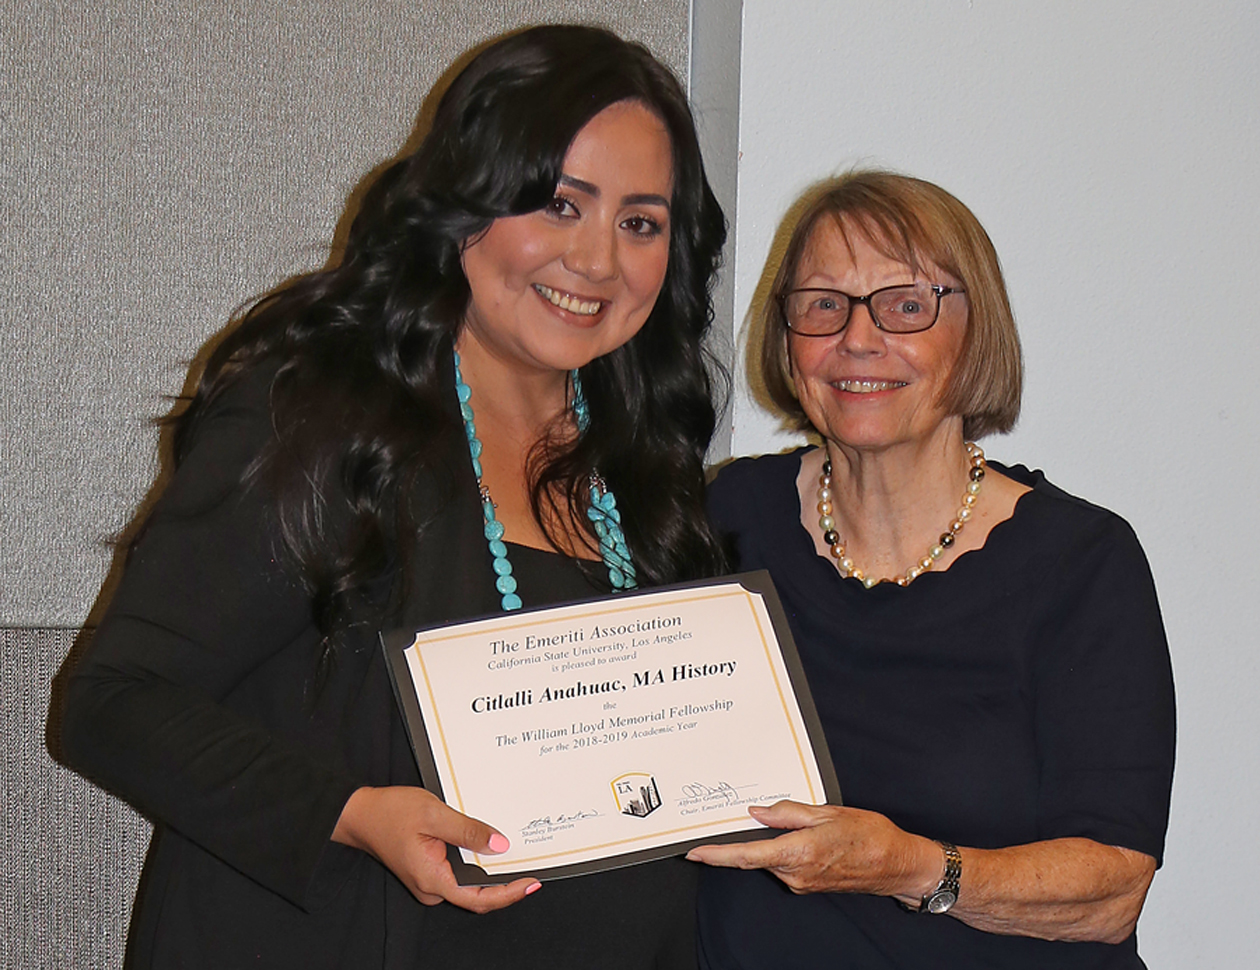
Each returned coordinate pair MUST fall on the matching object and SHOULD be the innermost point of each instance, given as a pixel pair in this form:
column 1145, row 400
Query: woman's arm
column 1063, row 889
column 202, row 612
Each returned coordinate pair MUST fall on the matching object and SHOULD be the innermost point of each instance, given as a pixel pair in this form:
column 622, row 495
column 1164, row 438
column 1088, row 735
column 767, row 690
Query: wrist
column 942, row 899
column 923, row 875
column 351, row 824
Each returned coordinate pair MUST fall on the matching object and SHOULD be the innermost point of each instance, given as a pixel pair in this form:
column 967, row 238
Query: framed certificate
column 616, row 730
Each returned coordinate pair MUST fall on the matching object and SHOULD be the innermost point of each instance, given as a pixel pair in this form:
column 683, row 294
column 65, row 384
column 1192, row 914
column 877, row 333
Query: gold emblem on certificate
column 636, row 794
column 613, row 731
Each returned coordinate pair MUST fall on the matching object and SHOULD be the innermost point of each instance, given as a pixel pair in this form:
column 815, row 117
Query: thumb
column 787, row 815
column 455, row 828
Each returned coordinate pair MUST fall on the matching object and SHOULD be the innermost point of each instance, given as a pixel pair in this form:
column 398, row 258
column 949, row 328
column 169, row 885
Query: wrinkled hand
column 408, row 829
column 832, row 849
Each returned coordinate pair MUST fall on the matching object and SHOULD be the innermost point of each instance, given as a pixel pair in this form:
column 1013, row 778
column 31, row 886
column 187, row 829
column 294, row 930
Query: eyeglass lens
column 897, row 309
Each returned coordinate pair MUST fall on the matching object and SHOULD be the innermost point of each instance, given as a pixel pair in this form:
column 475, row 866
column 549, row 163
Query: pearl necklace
column 828, row 524
column 603, row 512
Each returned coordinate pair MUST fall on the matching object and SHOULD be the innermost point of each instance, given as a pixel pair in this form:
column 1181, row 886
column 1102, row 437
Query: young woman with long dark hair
column 411, row 437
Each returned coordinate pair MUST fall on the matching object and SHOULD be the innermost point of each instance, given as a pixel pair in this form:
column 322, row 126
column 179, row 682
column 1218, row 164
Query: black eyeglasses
column 911, row 308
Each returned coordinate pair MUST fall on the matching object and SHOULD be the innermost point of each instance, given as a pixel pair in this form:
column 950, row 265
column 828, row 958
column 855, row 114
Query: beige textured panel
column 70, row 854
column 159, row 165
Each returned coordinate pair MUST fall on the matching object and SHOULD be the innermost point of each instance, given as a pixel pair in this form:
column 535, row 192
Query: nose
column 592, row 252
column 861, row 337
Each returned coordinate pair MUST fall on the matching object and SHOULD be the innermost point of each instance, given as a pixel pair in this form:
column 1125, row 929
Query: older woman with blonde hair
column 985, row 650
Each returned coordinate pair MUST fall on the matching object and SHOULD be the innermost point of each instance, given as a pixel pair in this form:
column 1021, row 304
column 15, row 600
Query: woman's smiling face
column 865, row 387
column 556, row 288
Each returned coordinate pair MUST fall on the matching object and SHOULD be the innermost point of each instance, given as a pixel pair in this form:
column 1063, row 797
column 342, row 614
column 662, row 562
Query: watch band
column 942, row 898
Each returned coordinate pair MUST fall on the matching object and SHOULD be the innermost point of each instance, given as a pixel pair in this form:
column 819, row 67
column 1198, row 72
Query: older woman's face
column 864, row 387
column 556, row 288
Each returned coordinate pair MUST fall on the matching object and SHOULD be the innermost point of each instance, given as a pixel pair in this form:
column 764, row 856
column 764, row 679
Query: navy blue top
column 1023, row 694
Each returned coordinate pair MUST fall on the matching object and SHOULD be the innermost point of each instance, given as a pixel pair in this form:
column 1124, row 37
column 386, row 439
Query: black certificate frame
column 395, row 642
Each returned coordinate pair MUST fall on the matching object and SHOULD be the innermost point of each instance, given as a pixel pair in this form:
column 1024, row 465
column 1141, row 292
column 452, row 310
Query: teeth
column 868, row 387
column 566, row 302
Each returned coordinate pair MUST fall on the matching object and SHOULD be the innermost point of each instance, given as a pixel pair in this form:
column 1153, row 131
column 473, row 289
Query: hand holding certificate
column 613, row 731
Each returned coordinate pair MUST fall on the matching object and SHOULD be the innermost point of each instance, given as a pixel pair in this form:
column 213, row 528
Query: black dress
column 1023, row 694
column 198, row 702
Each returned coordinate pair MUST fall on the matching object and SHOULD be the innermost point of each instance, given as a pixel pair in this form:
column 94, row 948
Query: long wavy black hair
column 363, row 348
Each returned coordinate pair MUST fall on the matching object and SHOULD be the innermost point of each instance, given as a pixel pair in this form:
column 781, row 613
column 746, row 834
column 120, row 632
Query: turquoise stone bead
column 476, row 463
column 506, row 584
column 502, row 566
column 498, row 549
column 494, row 530
column 474, row 447
column 511, row 602
column 616, row 578
column 466, row 412
column 463, row 392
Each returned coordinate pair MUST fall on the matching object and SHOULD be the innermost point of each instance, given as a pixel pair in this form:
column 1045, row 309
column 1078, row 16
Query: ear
column 790, row 361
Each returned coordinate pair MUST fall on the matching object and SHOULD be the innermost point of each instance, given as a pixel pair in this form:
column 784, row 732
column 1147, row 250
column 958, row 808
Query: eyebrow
column 638, row 198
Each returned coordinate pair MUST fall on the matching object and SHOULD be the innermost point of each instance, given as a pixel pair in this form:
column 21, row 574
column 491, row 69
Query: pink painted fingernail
column 499, row 843
column 533, row 889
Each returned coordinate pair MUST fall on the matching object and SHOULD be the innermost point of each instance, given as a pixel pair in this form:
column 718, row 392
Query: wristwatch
column 942, row 898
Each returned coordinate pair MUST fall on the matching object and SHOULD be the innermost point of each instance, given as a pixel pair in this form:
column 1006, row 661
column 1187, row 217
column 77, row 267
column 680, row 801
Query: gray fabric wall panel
column 70, row 855
column 159, row 165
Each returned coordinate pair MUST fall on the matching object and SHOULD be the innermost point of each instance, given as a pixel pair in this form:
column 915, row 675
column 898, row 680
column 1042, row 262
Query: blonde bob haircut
column 916, row 223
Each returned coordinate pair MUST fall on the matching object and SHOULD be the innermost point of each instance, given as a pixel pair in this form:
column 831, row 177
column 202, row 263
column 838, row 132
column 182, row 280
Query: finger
column 485, row 899
column 454, row 828
column 764, row 854
column 791, row 815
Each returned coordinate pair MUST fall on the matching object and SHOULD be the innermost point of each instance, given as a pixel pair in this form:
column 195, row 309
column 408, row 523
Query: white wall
column 1112, row 149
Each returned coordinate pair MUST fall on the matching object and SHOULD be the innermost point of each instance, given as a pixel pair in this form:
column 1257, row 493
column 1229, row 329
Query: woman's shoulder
column 242, row 398
column 1063, row 519
column 748, row 484
column 243, row 393
column 221, row 438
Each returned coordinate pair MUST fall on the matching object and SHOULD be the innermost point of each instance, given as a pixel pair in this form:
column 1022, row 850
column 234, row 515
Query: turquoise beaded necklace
column 603, row 513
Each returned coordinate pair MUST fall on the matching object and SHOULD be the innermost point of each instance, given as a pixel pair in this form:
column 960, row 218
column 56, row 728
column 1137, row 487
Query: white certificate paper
column 613, row 731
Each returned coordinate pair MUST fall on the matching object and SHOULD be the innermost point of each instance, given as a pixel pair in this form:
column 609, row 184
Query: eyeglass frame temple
column 939, row 289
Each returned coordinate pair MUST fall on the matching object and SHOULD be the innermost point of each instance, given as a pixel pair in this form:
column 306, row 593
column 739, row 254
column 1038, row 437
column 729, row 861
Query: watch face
column 941, row 901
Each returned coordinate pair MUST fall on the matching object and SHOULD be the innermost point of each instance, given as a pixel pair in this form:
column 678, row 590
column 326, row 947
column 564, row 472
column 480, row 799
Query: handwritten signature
column 560, row 819
column 700, row 790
